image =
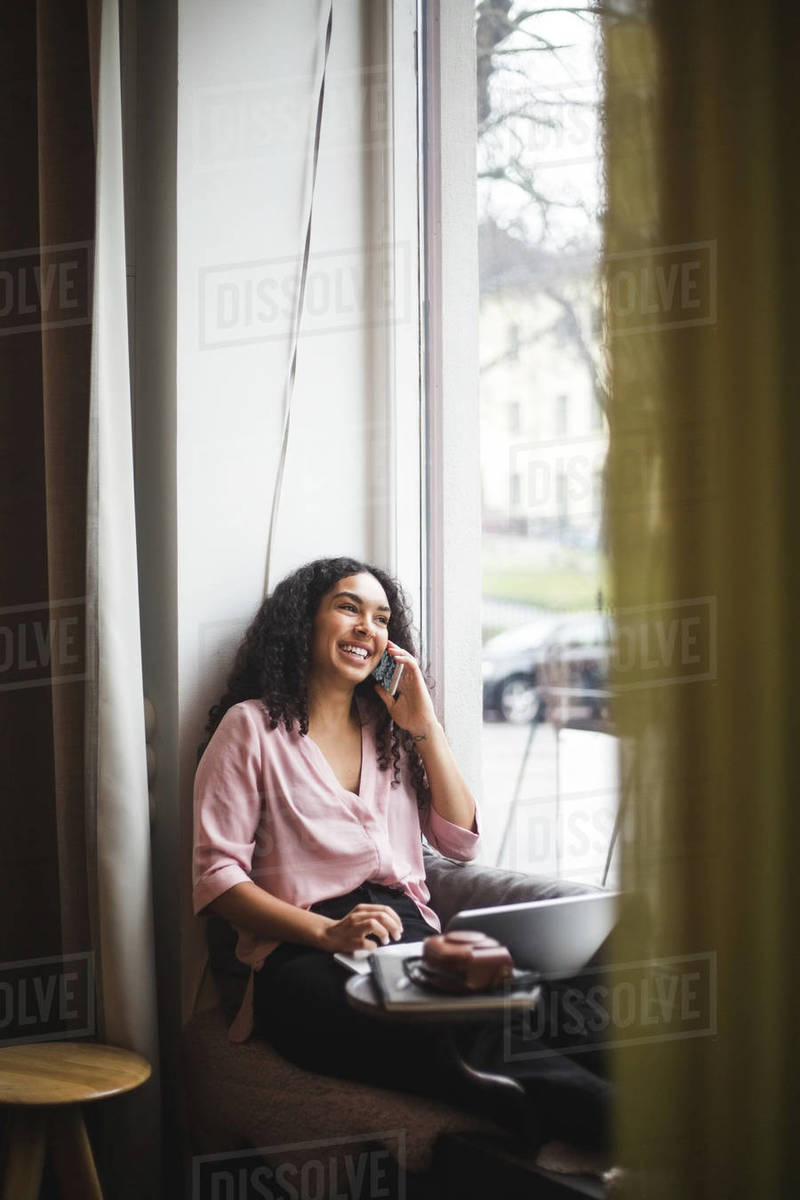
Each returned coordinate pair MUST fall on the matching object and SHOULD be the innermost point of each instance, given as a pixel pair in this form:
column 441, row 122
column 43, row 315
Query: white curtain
column 117, row 792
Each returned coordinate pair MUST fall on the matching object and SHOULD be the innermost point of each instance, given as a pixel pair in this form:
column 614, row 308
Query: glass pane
column 550, row 757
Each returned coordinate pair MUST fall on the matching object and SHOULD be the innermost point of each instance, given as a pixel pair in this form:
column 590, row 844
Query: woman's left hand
column 412, row 708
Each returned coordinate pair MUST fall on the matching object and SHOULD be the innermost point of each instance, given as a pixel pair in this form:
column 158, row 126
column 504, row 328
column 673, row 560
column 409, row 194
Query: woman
column 311, row 796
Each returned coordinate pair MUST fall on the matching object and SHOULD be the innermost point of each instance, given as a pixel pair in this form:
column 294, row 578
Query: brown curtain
column 703, row 310
column 75, row 845
column 46, row 232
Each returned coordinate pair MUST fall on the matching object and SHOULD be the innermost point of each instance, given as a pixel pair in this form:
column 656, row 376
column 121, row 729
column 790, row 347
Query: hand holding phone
column 412, row 709
column 388, row 673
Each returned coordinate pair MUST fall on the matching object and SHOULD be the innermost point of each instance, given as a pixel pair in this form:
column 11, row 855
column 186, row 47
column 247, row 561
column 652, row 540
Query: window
column 550, row 798
column 513, row 500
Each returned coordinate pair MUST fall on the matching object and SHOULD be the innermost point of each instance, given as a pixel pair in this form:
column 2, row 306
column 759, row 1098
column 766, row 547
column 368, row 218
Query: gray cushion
column 246, row 1094
column 457, row 885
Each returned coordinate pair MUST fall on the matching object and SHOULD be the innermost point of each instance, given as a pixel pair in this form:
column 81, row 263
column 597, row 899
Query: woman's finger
column 372, row 908
column 371, row 925
column 377, row 924
column 408, row 660
column 401, row 655
column 383, row 911
column 383, row 908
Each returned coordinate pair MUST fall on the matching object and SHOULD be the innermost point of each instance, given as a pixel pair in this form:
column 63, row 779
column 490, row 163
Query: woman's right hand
column 351, row 933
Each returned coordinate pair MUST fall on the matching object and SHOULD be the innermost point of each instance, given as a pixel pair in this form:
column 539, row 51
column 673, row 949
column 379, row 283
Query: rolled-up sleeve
column 453, row 841
column 228, row 798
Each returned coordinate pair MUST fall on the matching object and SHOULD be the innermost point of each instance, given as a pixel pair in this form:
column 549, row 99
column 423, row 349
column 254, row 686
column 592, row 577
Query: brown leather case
column 477, row 960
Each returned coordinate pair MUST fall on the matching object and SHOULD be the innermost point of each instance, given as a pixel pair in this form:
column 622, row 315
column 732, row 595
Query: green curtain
column 703, row 319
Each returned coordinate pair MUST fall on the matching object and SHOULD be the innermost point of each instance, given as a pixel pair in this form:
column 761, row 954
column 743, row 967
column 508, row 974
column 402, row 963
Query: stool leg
column 508, row 1096
column 72, row 1155
column 24, row 1147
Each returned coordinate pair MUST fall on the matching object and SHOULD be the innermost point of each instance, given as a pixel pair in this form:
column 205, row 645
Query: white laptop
column 556, row 937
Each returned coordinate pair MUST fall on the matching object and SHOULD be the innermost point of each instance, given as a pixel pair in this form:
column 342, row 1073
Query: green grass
column 560, row 589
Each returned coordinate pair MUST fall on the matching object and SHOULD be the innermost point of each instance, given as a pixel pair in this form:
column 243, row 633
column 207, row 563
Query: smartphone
column 387, row 673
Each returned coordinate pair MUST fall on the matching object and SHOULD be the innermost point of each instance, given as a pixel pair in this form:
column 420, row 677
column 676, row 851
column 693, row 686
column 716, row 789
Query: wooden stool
column 44, row 1084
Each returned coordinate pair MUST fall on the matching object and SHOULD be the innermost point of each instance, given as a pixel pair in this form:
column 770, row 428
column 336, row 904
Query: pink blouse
column 269, row 808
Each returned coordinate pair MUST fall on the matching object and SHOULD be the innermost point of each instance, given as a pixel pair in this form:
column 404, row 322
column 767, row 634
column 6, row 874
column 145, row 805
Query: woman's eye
column 352, row 608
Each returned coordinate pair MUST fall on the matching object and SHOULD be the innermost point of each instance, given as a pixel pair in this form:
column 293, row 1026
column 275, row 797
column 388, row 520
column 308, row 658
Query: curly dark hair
column 272, row 662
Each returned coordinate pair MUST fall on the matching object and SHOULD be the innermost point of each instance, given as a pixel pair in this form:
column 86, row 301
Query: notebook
column 399, row 993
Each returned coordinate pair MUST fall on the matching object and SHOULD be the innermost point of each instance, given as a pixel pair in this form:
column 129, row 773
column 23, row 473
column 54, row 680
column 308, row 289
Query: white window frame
column 403, row 482
column 449, row 330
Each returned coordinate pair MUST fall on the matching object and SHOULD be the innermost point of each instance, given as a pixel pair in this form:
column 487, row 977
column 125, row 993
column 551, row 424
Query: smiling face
column 350, row 630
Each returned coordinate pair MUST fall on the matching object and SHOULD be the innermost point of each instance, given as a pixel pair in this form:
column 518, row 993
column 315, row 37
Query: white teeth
column 359, row 651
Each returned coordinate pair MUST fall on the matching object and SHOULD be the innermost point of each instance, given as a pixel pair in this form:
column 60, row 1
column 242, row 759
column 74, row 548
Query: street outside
column 562, row 822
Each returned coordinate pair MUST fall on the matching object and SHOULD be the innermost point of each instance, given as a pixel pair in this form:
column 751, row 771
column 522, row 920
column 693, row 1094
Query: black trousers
column 301, row 1009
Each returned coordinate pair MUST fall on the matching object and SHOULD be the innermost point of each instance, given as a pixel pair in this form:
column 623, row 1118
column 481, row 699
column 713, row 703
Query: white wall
column 247, row 84
column 223, row 178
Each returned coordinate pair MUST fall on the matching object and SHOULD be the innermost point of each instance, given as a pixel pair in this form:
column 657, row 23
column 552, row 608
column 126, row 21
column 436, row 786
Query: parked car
column 567, row 652
column 510, row 662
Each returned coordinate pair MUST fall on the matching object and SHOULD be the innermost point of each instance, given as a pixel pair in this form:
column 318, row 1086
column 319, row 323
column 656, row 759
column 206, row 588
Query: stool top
column 68, row 1072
